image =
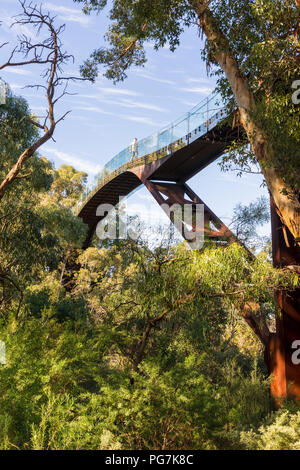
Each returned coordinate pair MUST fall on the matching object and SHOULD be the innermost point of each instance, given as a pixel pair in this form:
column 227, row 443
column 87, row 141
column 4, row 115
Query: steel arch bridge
column 163, row 163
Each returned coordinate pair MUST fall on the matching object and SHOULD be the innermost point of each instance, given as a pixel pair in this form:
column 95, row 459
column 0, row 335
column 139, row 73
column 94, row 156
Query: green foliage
column 281, row 432
column 40, row 359
column 263, row 38
column 240, row 158
column 48, row 299
column 132, row 25
column 16, row 132
column 90, row 5
column 59, row 392
column 79, row 374
column 280, row 118
column 67, row 185
column 139, row 285
column 36, row 225
column 124, row 346
column 152, row 413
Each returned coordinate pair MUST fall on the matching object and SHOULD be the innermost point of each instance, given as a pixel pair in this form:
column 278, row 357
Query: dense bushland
column 139, row 347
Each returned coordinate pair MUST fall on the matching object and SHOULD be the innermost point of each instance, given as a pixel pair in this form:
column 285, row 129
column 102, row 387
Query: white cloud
column 126, row 117
column 198, row 80
column 140, row 105
column 154, row 79
column 17, row 29
column 125, row 103
column 69, row 14
column 202, row 90
column 189, row 104
column 93, row 109
column 108, row 91
column 18, row 71
column 15, row 86
column 77, row 162
column 141, row 120
column 136, row 104
column 119, row 91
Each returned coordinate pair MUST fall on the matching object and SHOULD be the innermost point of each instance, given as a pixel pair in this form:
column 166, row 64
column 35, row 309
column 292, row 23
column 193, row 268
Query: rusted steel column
column 283, row 354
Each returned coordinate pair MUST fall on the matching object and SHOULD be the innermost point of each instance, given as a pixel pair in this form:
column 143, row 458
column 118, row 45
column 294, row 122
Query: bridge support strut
column 166, row 193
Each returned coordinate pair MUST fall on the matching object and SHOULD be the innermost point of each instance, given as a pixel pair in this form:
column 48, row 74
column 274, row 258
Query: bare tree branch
column 50, row 52
column 4, row 44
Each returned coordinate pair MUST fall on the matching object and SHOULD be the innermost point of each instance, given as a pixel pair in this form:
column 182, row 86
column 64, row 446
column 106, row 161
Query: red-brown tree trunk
column 283, row 351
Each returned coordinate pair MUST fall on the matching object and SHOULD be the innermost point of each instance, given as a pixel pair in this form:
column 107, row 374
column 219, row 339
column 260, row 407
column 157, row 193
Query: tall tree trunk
column 283, row 348
column 288, row 206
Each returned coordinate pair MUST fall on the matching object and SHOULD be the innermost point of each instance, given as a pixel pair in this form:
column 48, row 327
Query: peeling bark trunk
column 288, row 206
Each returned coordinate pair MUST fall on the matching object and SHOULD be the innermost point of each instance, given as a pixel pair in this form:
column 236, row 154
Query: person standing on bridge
column 133, row 149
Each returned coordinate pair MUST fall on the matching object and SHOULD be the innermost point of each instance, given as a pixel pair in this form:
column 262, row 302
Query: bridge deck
column 185, row 160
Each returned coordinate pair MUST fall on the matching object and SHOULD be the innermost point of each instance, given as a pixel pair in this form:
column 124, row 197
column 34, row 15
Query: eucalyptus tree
column 37, row 228
column 67, row 186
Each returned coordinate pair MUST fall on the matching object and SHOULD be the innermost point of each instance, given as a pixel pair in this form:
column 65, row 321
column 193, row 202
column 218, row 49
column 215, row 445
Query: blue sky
column 105, row 117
